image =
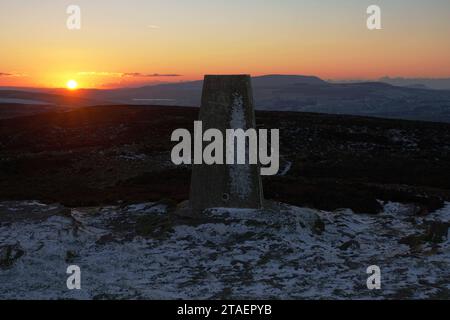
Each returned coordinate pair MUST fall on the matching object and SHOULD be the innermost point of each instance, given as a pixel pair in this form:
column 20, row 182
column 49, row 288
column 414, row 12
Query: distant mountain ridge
column 40, row 97
column 281, row 93
column 437, row 84
column 283, row 80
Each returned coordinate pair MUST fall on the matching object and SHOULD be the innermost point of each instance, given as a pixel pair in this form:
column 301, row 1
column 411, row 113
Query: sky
column 134, row 42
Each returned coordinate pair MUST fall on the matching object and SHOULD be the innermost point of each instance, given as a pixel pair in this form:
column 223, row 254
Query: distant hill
column 189, row 93
column 15, row 103
column 437, row 84
column 282, row 93
column 277, row 80
column 67, row 99
column 305, row 93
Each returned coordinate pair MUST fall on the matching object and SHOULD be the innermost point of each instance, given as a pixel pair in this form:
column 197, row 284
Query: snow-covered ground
column 142, row 252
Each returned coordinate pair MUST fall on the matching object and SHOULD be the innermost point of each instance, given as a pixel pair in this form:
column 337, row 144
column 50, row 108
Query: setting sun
column 72, row 84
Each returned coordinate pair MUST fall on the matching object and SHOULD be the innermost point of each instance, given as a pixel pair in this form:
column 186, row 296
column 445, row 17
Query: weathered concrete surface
column 227, row 103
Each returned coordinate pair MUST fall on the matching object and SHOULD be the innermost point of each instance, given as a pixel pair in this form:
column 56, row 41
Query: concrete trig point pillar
column 227, row 103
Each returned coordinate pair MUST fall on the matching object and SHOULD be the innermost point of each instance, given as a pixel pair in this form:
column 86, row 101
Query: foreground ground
column 104, row 192
column 142, row 252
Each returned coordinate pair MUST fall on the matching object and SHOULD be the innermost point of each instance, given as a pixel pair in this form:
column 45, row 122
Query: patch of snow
column 237, row 113
column 286, row 168
column 237, row 253
column 400, row 137
column 133, row 157
column 240, row 174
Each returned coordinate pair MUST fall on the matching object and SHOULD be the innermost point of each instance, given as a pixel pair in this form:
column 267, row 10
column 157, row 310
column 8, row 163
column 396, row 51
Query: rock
column 153, row 226
column 437, row 231
column 71, row 256
column 9, row 254
column 421, row 211
column 319, row 226
column 353, row 244
column 413, row 241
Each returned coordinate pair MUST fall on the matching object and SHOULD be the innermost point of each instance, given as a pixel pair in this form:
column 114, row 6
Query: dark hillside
column 104, row 154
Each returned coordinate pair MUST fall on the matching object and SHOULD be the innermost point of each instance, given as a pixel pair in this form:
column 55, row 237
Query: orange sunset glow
column 182, row 40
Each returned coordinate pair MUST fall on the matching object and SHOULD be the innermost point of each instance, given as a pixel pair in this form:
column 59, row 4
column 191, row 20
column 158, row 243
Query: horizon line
column 369, row 79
